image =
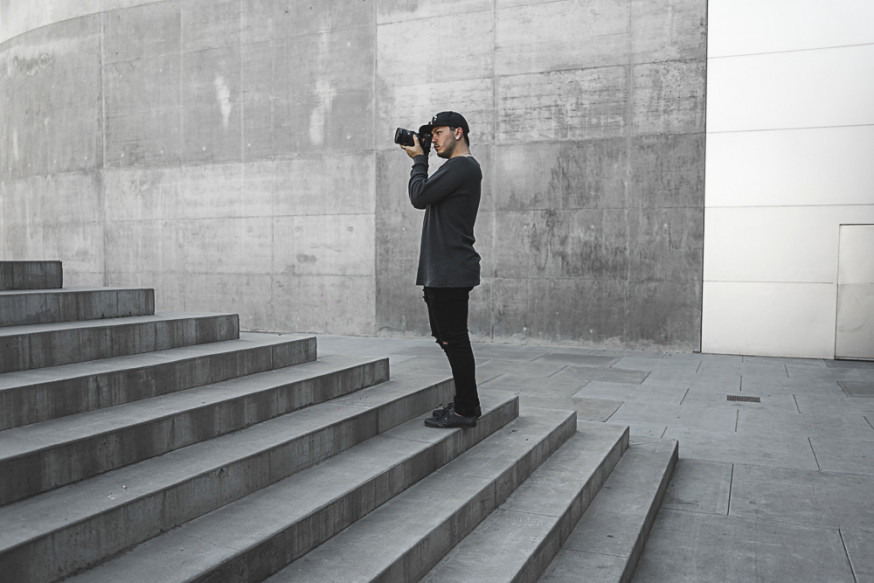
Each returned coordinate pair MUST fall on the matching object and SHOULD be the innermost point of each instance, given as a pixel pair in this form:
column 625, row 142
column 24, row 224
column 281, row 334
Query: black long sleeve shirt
column 450, row 199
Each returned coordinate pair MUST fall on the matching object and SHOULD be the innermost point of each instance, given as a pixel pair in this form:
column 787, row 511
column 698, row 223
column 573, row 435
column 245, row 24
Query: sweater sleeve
column 424, row 191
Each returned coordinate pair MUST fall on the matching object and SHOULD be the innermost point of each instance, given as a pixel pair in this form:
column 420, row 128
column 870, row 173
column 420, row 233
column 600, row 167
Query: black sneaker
column 450, row 406
column 449, row 420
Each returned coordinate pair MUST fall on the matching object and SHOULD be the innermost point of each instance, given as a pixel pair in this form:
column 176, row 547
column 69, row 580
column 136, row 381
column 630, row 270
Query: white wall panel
column 769, row 319
column 856, row 263
column 776, row 244
column 739, row 27
column 803, row 89
column 823, row 166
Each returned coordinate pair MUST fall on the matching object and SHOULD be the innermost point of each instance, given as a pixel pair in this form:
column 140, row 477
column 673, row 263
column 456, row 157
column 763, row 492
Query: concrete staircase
column 148, row 447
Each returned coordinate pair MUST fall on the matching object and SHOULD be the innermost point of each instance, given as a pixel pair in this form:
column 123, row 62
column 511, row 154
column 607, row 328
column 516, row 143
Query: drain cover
column 744, row 398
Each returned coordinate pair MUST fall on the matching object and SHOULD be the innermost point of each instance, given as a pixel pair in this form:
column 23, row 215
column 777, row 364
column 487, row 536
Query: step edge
column 402, row 565
column 91, row 382
column 29, row 462
column 543, row 550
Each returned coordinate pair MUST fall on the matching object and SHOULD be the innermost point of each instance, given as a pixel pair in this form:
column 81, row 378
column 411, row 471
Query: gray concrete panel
column 52, row 104
column 584, row 243
column 143, row 31
column 573, row 104
column 669, row 97
column 562, row 175
column 663, row 313
column 527, row 41
column 667, row 31
column 666, row 171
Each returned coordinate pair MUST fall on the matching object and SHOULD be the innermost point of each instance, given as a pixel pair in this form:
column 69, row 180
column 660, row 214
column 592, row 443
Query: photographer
column 449, row 267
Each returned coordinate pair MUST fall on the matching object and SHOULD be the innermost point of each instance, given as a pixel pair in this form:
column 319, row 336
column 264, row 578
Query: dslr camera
column 405, row 138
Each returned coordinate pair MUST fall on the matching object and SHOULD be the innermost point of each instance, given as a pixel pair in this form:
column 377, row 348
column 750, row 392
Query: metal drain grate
column 744, row 398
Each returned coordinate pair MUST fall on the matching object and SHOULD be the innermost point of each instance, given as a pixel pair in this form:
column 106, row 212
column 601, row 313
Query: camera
column 405, row 138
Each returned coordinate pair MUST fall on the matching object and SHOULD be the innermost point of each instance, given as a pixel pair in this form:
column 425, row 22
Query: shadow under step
column 519, row 539
column 23, row 308
column 42, row 456
column 44, row 345
column 31, row 396
column 20, row 275
column 611, row 535
column 75, row 527
column 403, row 539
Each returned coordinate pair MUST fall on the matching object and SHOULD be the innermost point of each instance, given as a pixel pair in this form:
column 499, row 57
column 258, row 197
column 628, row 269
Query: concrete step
column 610, row 537
column 22, row 308
column 44, row 345
column 58, row 533
column 35, row 395
column 19, row 275
column 519, row 539
column 42, row 456
column 403, row 539
column 327, row 499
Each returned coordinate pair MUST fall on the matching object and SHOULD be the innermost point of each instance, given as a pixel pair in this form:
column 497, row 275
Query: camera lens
column 404, row 137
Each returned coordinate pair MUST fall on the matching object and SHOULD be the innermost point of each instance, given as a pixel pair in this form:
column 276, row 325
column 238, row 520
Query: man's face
column 443, row 141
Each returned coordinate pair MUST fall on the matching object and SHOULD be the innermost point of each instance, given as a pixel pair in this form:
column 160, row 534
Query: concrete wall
column 790, row 136
column 237, row 155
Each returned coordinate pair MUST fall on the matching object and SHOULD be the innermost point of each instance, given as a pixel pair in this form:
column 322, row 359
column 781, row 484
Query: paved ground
column 776, row 490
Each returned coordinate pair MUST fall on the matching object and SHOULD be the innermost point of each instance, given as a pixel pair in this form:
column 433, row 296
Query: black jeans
column 447, row 313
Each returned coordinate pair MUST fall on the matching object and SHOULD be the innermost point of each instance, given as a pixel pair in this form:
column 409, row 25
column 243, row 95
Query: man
column 448, row 264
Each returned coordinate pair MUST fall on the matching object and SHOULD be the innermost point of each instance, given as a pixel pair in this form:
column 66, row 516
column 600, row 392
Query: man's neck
column 460, row 152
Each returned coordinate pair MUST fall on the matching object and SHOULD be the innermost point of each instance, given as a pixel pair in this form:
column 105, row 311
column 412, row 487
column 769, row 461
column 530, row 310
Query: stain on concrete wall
column 238, row 156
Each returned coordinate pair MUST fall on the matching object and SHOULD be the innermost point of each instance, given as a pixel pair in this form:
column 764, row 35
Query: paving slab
column 803, row 496
column 831, row 425
column 520, row 368
column 577, row 359
column 688, row 547
column 605, row 390
column 595, row 409
column 659, row 392
column 787, row 451
column 844, row 455
column 813, row 386
column 700, row 486
column 833, row 406
column 858, row 388
column 612, row 374
column 860, row 550
column 785, row 403
column 689, row 414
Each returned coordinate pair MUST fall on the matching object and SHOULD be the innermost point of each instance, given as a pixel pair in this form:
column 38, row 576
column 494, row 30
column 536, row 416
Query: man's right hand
column 415, row 149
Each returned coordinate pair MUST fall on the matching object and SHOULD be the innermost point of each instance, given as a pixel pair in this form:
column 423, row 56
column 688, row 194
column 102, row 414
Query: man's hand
column 415, row 149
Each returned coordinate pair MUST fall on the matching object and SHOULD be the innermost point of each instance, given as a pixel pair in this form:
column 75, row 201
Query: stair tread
column 24, row 378
column 75, row 502
column 610, row 535
column 106, row 322
column 209, row 541
column 69, row 290
column 552, row 499
column 44, row 435
column 386, row 540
